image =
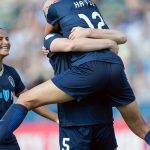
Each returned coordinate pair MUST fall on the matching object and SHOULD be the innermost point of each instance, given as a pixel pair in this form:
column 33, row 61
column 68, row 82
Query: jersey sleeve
column 19, row 86
column 50, row 38
column 52, row 17
column 48, row 41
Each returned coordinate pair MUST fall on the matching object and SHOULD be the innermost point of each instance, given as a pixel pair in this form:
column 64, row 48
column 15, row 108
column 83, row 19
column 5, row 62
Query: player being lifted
column 84, row 76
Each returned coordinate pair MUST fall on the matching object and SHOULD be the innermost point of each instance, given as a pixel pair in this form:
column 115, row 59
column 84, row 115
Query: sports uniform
column 10, row 84
column 90, row 71
column 84, row 125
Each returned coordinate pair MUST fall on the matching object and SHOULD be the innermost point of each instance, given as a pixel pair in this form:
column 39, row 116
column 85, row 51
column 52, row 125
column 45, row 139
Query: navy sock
column 12, row 119
column 147, row 138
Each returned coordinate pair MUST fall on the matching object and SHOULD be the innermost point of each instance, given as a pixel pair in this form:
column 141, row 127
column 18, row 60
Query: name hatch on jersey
column 83, row 3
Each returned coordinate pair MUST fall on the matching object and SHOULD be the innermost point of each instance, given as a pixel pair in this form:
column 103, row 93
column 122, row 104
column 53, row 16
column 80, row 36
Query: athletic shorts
column 95, row 137
column 96, row 76
column 9, row 143
column 9, row 146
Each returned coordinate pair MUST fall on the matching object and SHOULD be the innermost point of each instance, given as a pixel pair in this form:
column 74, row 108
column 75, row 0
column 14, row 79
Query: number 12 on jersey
column 94, row 16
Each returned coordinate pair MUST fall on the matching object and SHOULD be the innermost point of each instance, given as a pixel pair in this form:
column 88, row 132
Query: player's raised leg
column 46, row 93
column 135, row 121
column 73, row 82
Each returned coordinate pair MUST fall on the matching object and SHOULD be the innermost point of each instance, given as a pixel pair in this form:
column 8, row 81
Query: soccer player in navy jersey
column 10, row 85
column 67, row 129
column 84, row 76
column 92, row 116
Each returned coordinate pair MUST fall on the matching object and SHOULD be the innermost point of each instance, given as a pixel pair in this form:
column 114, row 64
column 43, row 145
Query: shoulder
column 10, row 70
column 48, row 3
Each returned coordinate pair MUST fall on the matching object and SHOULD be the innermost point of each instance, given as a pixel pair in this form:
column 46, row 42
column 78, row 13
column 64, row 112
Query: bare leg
column 45, row 93
column 134, row 119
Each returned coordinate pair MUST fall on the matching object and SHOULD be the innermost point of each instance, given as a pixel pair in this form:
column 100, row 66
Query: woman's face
column 4, row 43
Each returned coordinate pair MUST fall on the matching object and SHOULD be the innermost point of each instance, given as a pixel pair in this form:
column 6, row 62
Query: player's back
column 84, row 13
column 72, row 13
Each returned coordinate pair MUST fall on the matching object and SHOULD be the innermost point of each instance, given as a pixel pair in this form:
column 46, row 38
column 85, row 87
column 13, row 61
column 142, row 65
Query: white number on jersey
column 94, row 16
column 65, row 145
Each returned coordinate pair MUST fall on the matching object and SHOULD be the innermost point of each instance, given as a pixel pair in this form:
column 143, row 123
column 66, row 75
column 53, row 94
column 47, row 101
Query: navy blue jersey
column 60, row 61
column 84, row 13
column 95, row 109
column 10, row 85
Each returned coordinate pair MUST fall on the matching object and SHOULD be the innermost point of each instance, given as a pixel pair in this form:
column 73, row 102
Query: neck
column 1, row 64
column 1, row 69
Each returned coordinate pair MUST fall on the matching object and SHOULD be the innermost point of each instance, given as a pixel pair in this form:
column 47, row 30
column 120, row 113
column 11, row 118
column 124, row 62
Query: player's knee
column 27, row 100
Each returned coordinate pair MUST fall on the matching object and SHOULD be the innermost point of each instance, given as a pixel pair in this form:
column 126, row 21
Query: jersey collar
column 1, row 72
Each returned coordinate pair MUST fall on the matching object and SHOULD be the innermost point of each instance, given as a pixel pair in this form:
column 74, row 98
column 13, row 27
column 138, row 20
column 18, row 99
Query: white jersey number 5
column 65, row 145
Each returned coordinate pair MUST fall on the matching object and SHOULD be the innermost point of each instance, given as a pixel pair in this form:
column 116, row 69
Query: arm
column 44, row 111
column 47, row 113
column 56, row 43
column 51, row 25
column 82, row 45
column 78, row 32
column 48, row 29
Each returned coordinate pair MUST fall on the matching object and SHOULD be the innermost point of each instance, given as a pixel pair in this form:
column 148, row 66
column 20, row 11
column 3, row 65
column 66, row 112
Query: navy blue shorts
column 9, row 143
column 95, row 137
column 96, row 76
column 9, row 147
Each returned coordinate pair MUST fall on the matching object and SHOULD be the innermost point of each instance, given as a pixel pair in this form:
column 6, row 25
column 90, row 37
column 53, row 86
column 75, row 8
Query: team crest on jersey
column 11, row 80
column 6, row 95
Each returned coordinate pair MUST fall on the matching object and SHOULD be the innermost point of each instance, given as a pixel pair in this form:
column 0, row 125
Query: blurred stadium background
column 25, row 22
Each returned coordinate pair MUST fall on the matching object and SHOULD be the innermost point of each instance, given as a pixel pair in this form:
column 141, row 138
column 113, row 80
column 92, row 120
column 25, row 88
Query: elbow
column 69, row 46
column 123, row 39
